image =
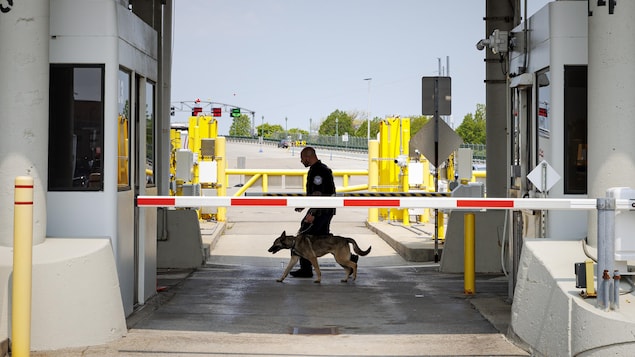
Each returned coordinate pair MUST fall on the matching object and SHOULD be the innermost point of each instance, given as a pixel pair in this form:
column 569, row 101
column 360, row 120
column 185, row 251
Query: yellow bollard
column 470, row 266
column 221, row 178
column 373, row 176
column 22, row 266
column 404, row 188
column 441, row 223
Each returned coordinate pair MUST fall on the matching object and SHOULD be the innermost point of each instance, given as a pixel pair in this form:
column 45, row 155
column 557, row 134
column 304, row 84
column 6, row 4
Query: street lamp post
column 337, row 132
column 262, row 132
column 368, row 111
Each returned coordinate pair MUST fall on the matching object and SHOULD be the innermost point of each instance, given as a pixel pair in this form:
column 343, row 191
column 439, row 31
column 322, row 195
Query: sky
column 294, row 62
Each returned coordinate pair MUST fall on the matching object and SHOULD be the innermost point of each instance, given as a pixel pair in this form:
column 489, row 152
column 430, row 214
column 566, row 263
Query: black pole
column 436, row 167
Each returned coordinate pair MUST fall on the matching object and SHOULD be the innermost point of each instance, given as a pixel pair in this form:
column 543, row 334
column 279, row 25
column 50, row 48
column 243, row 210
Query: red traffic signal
column 216, row 112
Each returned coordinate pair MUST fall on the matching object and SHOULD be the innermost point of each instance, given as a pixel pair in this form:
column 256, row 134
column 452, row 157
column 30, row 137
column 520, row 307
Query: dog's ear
column 284, row 233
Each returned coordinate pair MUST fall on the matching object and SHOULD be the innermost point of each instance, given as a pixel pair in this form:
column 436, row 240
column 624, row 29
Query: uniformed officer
column 317, row 221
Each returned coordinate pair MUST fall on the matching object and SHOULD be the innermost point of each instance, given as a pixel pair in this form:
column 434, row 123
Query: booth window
column 123, row 129
column 150, row 134
column 575, row 129
column 76, row 127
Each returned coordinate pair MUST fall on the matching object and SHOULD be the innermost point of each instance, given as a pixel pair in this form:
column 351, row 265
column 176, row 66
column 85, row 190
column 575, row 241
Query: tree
column 241, row 126
column 337, row 122
column 416, row 123
column 267, row 130
column 374, row 128
column 472, row 130
column 298, row 133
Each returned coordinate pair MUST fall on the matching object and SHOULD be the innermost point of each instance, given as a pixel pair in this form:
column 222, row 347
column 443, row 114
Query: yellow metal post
column 373, row 176
column 404, row 149
column 265, row 183
column 404, row 185
column 441, row 228
column 470, row 266
column 384, row 173
column 221, row 186
column 22, row 266
column 590, row 284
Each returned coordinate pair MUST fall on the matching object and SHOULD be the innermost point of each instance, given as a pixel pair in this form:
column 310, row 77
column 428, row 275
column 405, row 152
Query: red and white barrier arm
column 380, row 202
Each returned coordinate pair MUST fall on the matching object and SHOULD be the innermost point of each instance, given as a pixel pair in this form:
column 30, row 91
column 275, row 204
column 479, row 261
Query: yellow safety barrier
column 373, row 176
column 22, row 266
column 221, row 188
column 266, row 173
column 468, row 255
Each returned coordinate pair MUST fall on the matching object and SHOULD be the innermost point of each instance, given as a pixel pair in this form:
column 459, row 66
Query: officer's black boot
column 305, row 271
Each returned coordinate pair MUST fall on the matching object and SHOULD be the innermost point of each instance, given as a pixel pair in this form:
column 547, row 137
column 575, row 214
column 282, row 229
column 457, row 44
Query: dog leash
column 305, row 230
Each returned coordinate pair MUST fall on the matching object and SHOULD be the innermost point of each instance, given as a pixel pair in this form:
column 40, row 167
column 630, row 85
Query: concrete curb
column 210, row 233
column 414, row 244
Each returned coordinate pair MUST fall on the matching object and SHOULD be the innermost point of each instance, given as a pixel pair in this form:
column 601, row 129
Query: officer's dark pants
column 321, row 226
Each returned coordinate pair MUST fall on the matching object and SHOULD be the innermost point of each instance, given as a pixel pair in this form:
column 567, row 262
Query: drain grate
column 314, row 330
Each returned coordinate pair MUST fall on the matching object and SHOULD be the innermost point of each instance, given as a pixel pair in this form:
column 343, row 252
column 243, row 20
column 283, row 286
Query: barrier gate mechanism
column 606, row 208
column 383, row 202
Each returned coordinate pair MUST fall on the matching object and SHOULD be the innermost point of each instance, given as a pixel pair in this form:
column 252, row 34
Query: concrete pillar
column 24, row 100
column 162, row 167
column 502, row 15
column 611, row 118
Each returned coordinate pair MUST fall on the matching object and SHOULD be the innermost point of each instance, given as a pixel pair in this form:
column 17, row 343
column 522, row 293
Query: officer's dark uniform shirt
column 320, row 179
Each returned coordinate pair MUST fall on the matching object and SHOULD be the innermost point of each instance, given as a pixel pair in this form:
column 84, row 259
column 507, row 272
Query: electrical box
column 207, row 147
column 184, row 165
column 208, row 171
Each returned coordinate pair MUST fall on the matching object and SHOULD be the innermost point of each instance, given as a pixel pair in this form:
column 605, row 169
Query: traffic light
column 172, row 111
column 196, row 111
column 235, row 112
column 216, row 112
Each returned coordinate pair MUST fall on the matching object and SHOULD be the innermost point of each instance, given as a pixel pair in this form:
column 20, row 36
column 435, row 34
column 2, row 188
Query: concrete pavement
column 400, row 305
column 233, row 306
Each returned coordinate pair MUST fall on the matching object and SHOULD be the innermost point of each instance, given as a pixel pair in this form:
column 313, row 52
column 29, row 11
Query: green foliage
column 298, row 133
column 337, row 122
column 374, row 128
column 472, row 130
column 267, row 130
column 241, row 126
column 416, row 123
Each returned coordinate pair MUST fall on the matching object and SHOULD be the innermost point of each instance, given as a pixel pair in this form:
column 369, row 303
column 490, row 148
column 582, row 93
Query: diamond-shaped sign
column 423, row 141
column 543, row 182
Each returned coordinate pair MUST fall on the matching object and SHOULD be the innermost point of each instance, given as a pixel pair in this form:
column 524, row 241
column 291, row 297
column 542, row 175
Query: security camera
column 480, row 45
column 402, row 160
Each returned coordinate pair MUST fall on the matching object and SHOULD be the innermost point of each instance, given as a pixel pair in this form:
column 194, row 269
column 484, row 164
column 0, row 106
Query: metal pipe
column 468, row 255
column 373, row 176
column 247, row 185
column 22, row 266
column 615, row 305
column 606, row 290
column 221, row 189
column 605, row 245
column 291, row 172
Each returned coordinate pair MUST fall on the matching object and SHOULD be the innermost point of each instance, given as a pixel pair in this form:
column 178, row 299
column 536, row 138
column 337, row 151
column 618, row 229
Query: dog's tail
column 356, row 248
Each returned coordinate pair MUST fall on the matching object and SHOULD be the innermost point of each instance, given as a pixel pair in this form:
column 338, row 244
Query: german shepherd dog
column 311, row 247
